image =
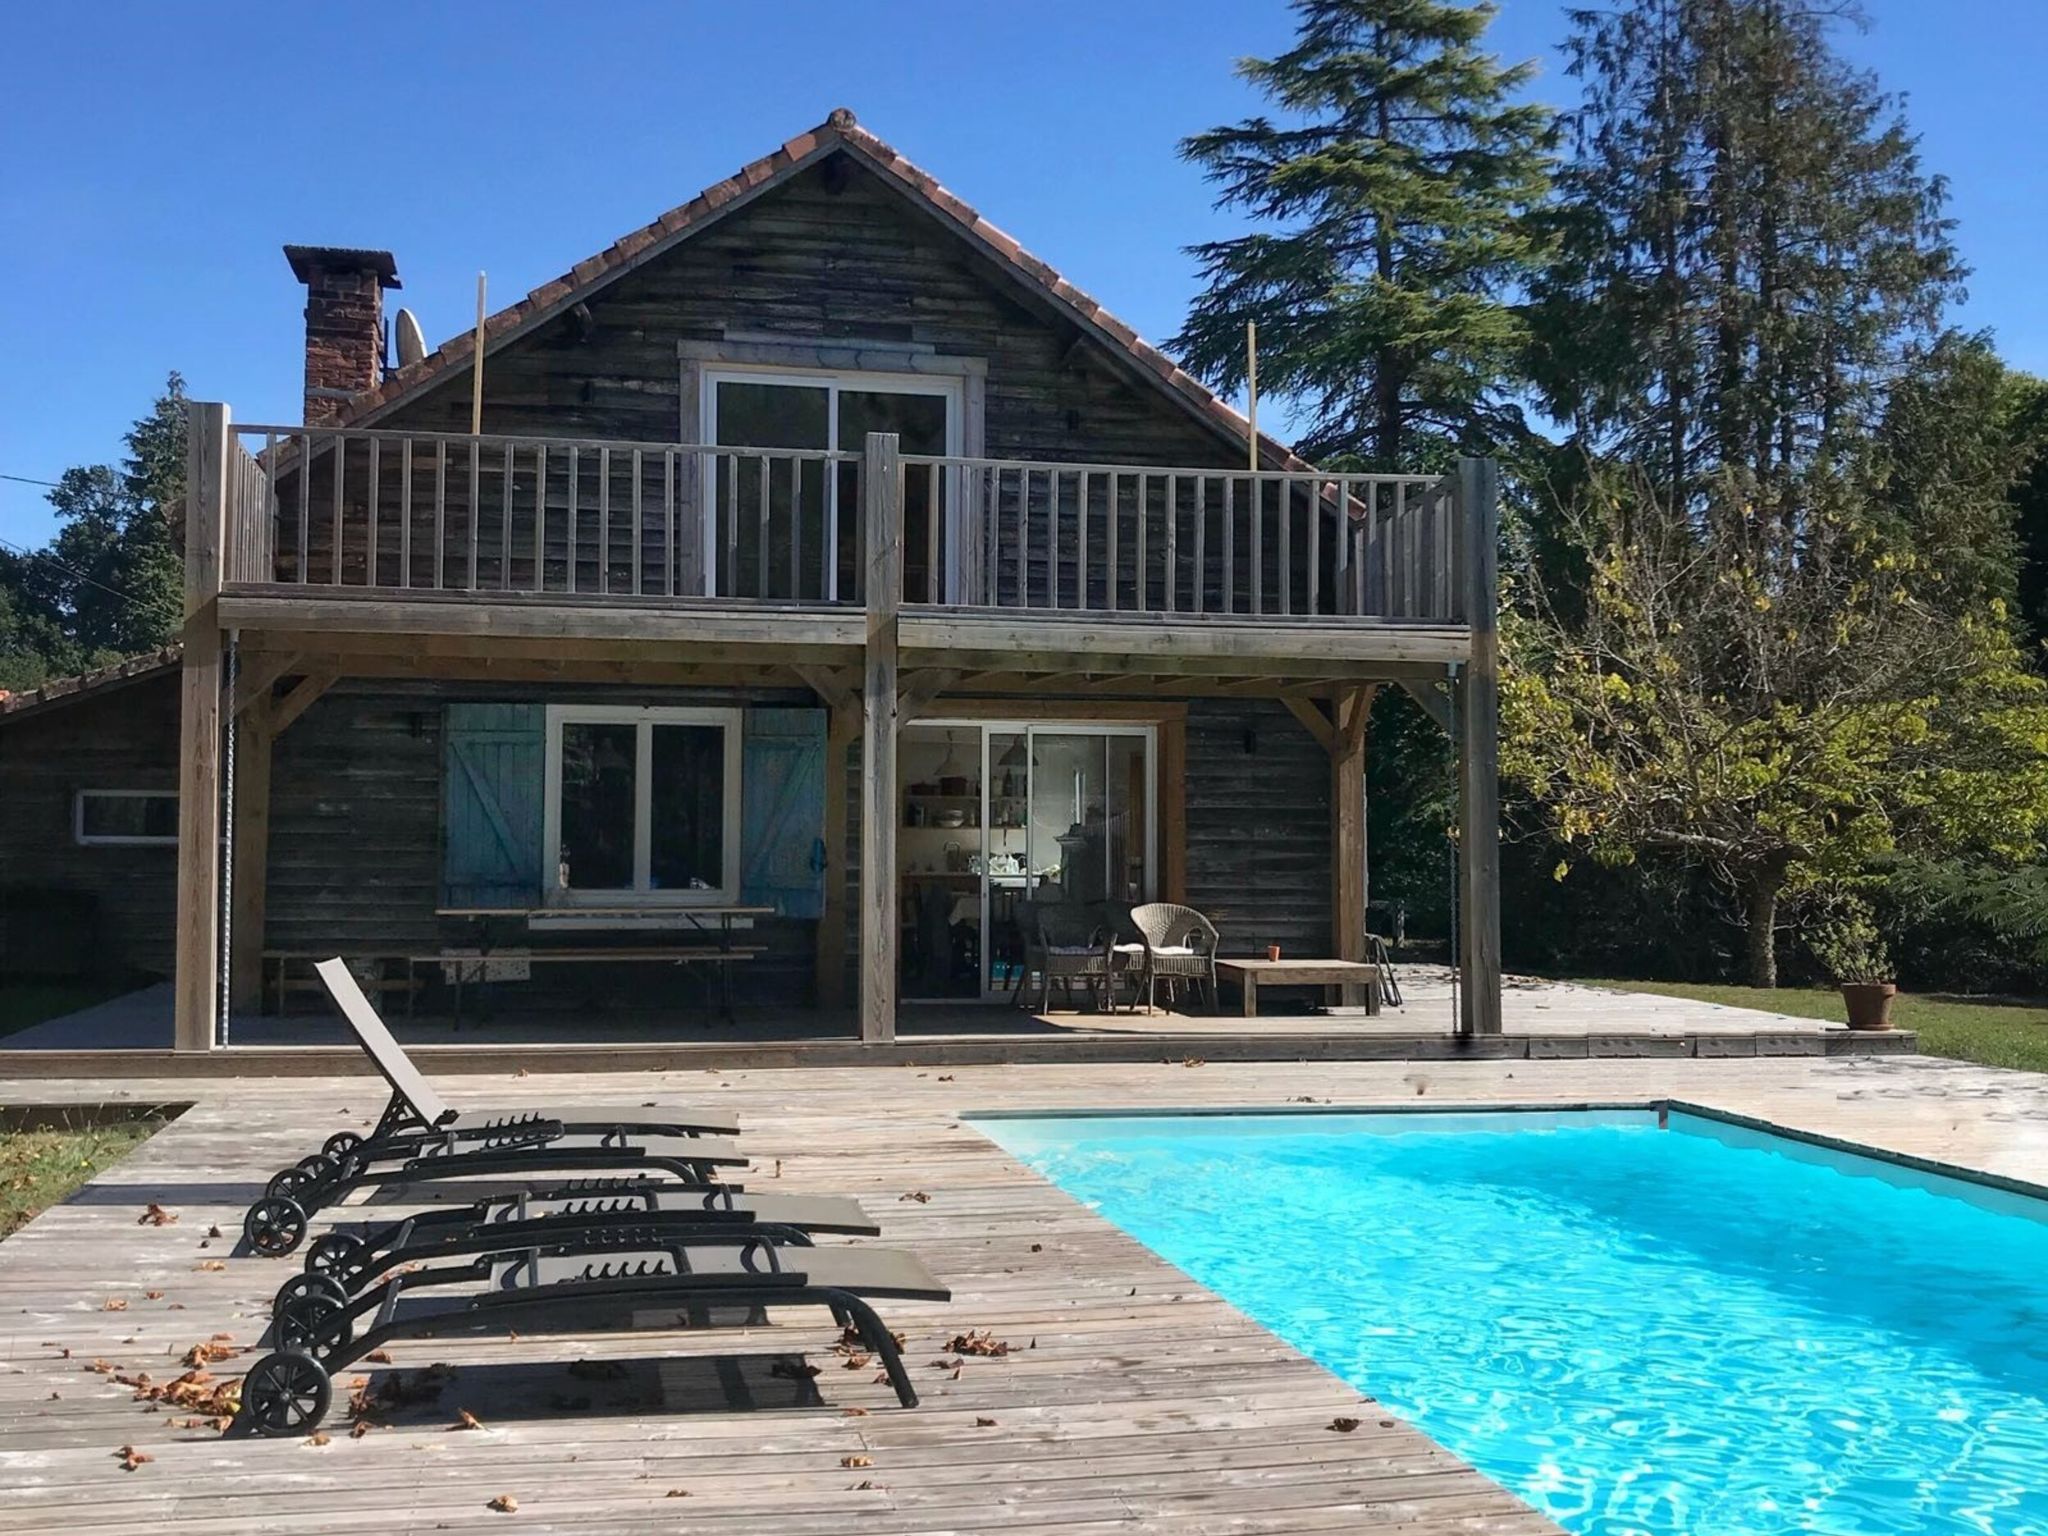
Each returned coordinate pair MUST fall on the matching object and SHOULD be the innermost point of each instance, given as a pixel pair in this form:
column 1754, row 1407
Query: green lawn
column 1993, row 1033
column 39, row 1168
column 23, row 1003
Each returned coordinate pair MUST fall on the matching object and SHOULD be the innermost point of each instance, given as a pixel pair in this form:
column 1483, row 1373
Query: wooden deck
column 1132, row 1400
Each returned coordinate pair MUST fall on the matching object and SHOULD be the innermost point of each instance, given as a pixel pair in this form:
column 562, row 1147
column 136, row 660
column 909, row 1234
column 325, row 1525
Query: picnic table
column 1333, row 976
column 714, row 923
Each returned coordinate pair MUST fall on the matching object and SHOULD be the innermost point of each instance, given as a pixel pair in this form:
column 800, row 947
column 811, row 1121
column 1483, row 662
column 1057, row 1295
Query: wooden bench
column 279, row 983
column 464, row 966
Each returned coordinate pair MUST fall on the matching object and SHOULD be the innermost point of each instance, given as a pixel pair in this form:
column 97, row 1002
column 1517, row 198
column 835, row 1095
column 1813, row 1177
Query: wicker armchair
column 1066, row 942
column 1174, row 944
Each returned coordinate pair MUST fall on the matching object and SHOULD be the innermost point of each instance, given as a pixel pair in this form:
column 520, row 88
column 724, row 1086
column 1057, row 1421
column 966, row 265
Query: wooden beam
column 1479, row 957
column 1310, row 715
column 196, row 989
column 248, row 908
column 841, row 730
column 1348, row 876
column 294, row 704
column 836, row 687
column 918, row 691
column 261, row 673
column 882, row 501
column 1434, row 701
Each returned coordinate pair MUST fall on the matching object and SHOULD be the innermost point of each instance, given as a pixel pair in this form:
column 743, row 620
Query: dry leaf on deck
column 677, row 1493
column 1343, row 1426
column 156, row 1216
column 984, row 1423
column 918, row 1195
column 210, row 1264
column 856, row 1461
column 978, row 1341
column 467, row 1420
column 131, row 1458
column 318, row 1437
column 114, row 1304
column 504, row 1503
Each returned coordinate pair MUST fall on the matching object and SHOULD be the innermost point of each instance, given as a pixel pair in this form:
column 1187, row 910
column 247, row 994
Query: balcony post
column 1479, row 961
column 882, row 522
column 196, row 992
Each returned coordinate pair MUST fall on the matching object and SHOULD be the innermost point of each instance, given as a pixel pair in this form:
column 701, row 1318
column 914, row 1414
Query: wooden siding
column 1258, row 827
column 124, row 738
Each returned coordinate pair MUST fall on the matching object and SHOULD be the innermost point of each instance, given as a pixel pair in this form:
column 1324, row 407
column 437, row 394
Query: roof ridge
column 840, row 128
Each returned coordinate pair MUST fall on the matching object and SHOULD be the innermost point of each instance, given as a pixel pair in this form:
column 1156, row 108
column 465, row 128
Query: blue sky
column 160, row 154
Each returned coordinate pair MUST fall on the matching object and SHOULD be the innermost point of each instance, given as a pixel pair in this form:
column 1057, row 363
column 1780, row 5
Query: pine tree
column 1396, row 197
column 1751, row 253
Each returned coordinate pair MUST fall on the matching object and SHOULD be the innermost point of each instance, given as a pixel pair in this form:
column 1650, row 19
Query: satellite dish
column 412, row 345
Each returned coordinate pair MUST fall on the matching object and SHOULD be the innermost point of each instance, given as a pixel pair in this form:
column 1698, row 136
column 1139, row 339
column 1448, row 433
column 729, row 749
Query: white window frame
column 645, row 718
column 953, row 390
column 99, row 840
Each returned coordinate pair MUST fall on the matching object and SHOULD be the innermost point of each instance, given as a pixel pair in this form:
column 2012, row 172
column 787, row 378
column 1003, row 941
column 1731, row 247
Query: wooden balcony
column 772, row 552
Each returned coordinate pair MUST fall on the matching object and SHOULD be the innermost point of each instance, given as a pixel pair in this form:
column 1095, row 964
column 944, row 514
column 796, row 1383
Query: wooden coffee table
column 1331, row 975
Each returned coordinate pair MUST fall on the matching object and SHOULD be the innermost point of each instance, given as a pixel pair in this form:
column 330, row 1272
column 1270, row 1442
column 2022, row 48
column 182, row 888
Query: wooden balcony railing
column 591, row 518
column 1131, row 538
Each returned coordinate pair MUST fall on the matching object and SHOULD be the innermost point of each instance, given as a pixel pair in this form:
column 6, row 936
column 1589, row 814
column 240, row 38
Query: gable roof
column 838, row 133
column 61, row 690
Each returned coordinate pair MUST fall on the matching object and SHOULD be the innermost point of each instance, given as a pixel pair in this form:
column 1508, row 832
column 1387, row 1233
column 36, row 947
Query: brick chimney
column 344, row 323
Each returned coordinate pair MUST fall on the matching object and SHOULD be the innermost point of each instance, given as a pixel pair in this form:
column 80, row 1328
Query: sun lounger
column 346, row 1262
column 415, row 1107
column 576, row 1289
column 275, row 1222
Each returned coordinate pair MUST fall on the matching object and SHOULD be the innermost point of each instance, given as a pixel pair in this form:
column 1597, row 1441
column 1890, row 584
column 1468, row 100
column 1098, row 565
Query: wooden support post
column 253, row 740
column 1347, row 825
column 1479, row 753
column 195, row 1005
column 845, row 725
column 881, row 506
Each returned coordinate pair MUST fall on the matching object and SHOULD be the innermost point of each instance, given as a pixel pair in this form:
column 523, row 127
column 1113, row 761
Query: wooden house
column 829, row 577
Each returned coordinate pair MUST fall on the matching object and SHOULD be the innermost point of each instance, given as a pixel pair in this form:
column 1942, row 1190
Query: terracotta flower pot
column 1869, row 1003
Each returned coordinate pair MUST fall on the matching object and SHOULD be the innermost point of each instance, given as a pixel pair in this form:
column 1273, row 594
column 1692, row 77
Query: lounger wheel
column 340, row 1144
column 315, row 1323
column 290, row 1293
column 285, row 1393
column 275, row 1225
column 337, row 1255
column 289, row 1181
column 319, row 1165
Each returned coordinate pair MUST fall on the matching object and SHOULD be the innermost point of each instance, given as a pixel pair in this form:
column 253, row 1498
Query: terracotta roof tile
column 129, row 669
column 839, row 129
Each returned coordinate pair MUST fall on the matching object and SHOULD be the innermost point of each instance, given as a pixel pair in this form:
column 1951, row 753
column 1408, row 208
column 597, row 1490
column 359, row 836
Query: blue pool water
column 1702, row 1329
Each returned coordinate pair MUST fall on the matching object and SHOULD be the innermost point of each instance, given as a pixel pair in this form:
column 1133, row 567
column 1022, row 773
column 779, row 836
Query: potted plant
column 1849, row 948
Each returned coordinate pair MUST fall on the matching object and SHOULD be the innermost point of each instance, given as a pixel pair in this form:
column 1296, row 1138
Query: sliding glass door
column 1038, row 812
column 754, row 409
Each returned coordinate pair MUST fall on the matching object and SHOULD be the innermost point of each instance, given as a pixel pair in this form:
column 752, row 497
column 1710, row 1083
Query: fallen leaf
column 865, row 1482
column 210, row 1264
column 156, row 1216
column 504, row 1503
column 977, row 1342
column 467, row 1420
column 856, row 1362
column 114, row 1304
column 918, row 1195
column 318, row 1437
column 945, row 1077
column 793, row 1370
column 1194, row 1061
column 856, row 1461
column 853, row 1413
column 379, row 1356
column 984, row 1423
column 215, row 1231
column 131, row 1458
column 1343, row 1426
column 152, row 1295
column 677, row 1493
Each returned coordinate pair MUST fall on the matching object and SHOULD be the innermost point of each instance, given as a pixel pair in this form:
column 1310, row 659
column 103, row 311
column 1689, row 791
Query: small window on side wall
column 135, row 818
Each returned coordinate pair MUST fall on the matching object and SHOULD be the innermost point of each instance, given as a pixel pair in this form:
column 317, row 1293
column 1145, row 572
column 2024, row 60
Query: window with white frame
column 136, row 818
column 642, row 805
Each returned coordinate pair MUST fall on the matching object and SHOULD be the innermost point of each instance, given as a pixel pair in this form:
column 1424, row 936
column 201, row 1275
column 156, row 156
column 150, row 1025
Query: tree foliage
column 1393, row 194
column 110, row 583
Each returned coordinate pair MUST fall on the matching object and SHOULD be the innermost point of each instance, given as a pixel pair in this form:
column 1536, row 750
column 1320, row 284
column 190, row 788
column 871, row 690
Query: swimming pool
column 1688, row 1327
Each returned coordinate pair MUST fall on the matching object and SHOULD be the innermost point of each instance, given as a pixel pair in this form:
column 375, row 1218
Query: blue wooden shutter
column 491, row 787
column 782, row 810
